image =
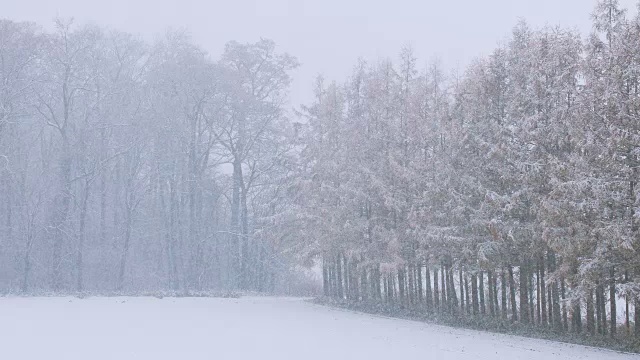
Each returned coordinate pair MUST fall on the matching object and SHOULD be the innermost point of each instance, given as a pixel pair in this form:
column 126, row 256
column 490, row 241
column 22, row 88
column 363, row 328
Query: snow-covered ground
column 246, row 328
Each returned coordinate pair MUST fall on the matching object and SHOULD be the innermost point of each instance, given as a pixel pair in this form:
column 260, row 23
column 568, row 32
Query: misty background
column 474, row 164
column 326, row 36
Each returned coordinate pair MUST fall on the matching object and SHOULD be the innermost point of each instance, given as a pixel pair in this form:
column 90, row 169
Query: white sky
column 327, row 36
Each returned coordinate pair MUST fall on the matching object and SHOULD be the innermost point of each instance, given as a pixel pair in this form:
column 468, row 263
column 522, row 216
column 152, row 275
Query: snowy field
column 247, row 328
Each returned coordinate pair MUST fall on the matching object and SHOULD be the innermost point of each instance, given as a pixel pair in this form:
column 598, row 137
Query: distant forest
column 128, row 167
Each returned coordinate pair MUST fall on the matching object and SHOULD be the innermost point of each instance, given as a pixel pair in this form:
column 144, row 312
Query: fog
column 472, row 164
column 327, row 36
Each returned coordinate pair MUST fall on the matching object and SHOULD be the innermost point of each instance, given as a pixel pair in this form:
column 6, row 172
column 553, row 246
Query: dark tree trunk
column 338, row 277
column 375, row 282
column 524, row 297
column 496, row 307
column 565, row 323
column 550, row 304
column 481, row 292
column 543, row 292
column 512, row 293
column 453, row 297
column 429, row 294
column 601, row 303
column 636, row 317
column 411, row 285
column 591, row 329
column 598, row 309
column 436, row 293
column 530, row 293
column 503, row 297
column 462, row 292
column 392, row 288
column 555, row 293
column 325, row 277
column 557, row 311
column 401, row 289
column 612, row 301
column 346, row 277
column 474, row 294
column 490, row 280
column 443, row 286
column 538, row 300
column 420, row 289
column 576, row 317
column 385, row 288
column 467, row 296
column 627, row 324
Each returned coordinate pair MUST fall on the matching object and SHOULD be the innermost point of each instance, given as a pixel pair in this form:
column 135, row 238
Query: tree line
column 508, row 192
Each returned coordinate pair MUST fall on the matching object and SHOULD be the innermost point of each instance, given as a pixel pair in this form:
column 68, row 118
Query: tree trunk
column 27, row 255
column 429, row 294
column 598, row 310
column 538, row 300
column 401, row 289
column 453, row 297
column 550, row 304
column 8, row 205
column 490, row 280
column 565, row 323
column 503, row 290
column 410, row 285
column 543, row 292
column 577, row 317
column 81, row 237
column 245, row 271
column 346, row 277
column 481, row 291
column 636, row 317
column 60, row 214
column 325, row 277
column 555, row 294
column 496, row 307
column 524, row 297
column 612, row 301
column 474, row 294
column 462, row 292
column 385, row 287
column 530, row 292
column 601, row 314
column 236, row 251
column 125, row 249
column 420, row 285
column 591, row 329
column 339, row 288
column 436, row 293
column 557, row 311
column 466, row 294
column 443, row 286
column 377, row 279
column 603, row 304
column 512, row 293
column 627, row 323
